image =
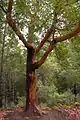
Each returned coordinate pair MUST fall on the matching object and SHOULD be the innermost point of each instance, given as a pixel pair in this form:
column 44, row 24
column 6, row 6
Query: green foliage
column 45, row 94
column 48, row 96
column 21, row 101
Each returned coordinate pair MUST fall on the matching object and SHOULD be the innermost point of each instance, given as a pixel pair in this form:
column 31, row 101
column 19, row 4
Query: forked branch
column 52, row 46
column 43, row 58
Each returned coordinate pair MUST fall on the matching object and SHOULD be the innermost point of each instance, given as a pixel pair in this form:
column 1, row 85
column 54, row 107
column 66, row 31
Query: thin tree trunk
column 0, row 93
column 75, row 92
column 1, row 69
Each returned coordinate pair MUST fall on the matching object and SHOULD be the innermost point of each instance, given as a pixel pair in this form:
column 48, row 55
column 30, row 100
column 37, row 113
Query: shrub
column 48, row 96
column 21, row 102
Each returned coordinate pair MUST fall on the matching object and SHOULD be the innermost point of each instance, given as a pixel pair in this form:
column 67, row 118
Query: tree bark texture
column 30, row 80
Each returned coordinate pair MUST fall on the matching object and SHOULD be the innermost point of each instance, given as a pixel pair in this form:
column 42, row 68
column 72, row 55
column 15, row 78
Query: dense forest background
column 58, row 79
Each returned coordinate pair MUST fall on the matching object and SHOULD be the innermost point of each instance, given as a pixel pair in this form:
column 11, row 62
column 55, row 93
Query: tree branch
column 69, row 35
column 52, row 46
column 12, row 24
column 43, row 58
column 49, row 32
column 3, row 9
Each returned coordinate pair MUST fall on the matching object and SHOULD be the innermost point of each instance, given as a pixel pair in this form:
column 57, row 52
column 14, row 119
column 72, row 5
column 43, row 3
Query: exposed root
column 39, row 111
column 35, row 110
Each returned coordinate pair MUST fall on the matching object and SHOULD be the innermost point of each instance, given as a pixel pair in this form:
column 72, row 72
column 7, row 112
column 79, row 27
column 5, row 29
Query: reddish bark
column 47, row 35
column 30, row 80
column 28, row 76
column 32, row 90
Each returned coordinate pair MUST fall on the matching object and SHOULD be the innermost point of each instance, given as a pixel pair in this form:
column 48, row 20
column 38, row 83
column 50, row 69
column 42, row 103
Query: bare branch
column 12, row 24
column 69, row 35
column 49, row 32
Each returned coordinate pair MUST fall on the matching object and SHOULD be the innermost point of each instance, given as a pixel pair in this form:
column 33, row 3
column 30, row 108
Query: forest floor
column 56, row 113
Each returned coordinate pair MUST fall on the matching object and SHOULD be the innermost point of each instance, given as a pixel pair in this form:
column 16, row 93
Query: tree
column 3, row 35
column 55, row 18
column 2, row 62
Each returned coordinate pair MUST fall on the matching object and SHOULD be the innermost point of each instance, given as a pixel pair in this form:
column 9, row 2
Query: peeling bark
column 30, row 80
column 28, row 75
column 32, row 90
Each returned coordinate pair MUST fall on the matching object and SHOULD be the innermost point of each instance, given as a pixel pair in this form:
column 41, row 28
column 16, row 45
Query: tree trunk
column 0, row 95
column 1, row 67
column 30, row 81
column 75, row 92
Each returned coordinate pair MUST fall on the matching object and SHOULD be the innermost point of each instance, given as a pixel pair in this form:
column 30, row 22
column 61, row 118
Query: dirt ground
column 49, row 114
